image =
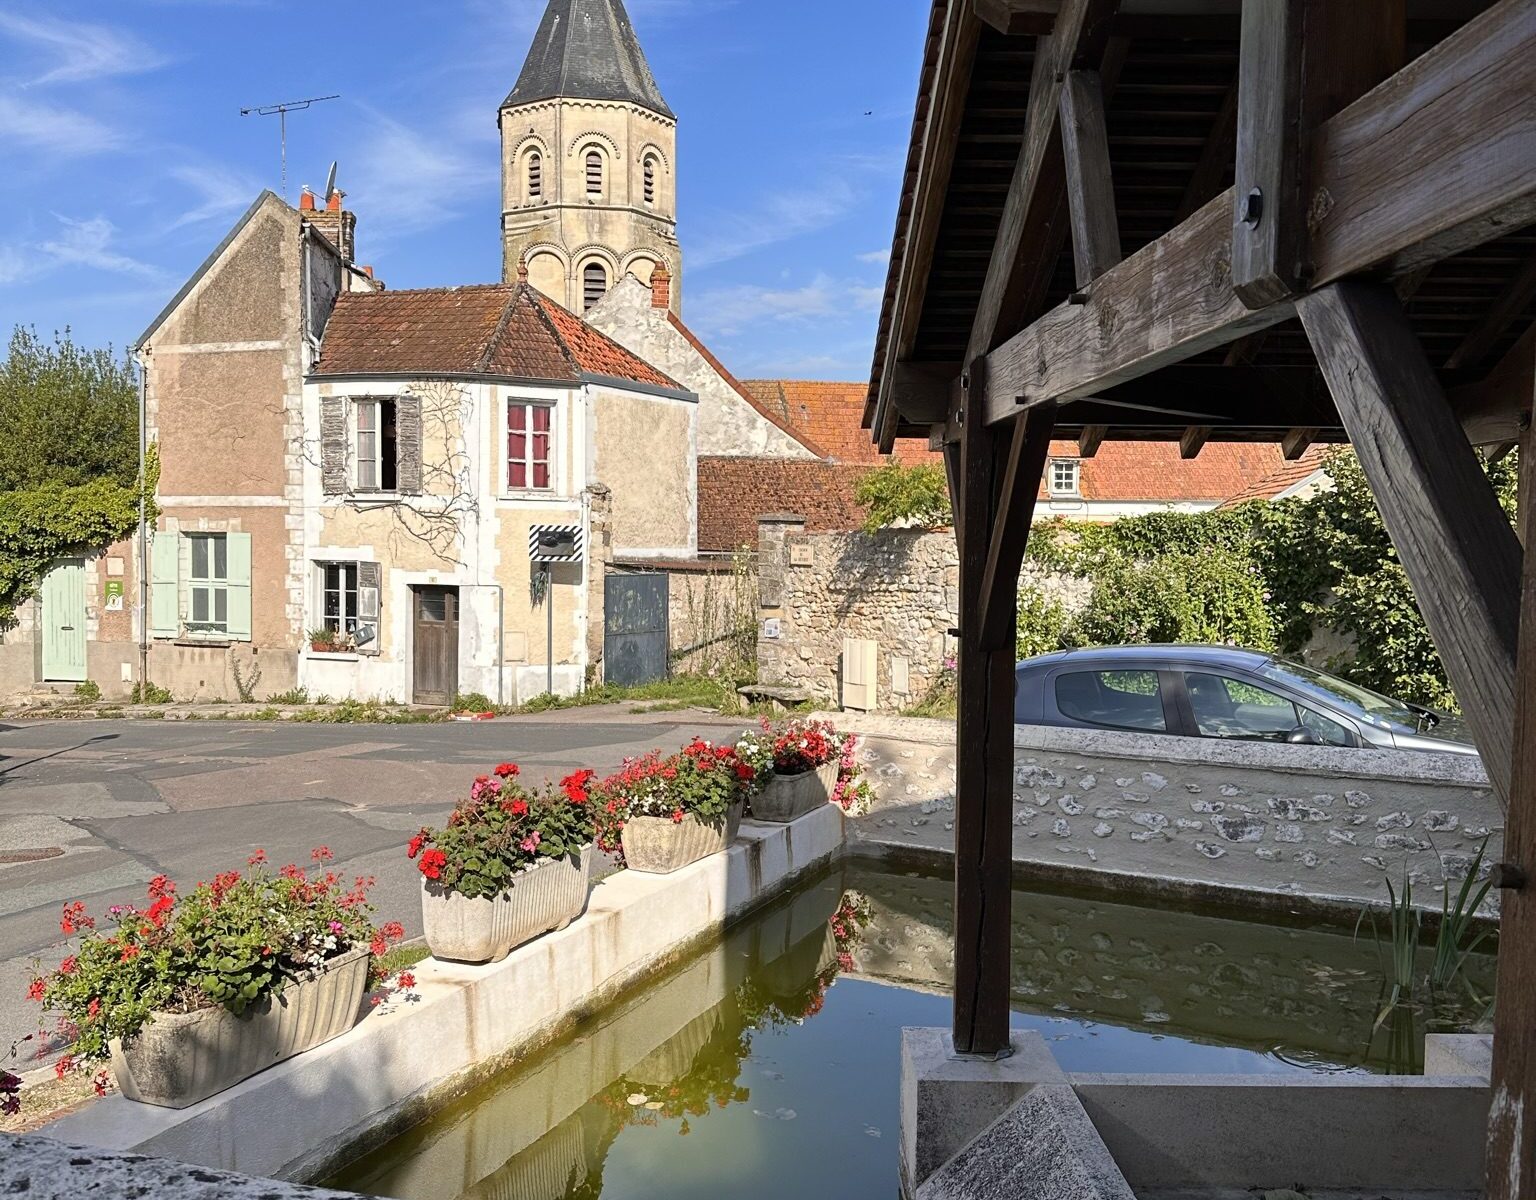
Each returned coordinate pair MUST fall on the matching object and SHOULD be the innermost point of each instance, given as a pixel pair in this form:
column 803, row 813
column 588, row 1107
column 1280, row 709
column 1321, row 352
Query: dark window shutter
column 408, row 445
column 370, row 603
column 333, row 445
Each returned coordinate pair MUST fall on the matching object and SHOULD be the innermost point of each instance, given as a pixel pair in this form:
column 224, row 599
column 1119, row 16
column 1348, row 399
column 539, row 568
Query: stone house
column 454, row 424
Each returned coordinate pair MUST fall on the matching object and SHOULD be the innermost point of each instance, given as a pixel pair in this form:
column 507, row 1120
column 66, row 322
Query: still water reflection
column 768, row 1065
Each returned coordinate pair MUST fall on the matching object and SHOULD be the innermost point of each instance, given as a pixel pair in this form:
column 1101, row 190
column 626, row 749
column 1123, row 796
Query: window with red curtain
column 529, row 443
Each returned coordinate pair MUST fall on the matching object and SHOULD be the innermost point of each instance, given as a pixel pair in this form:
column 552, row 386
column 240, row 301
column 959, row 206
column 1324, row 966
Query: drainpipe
column 143, row 525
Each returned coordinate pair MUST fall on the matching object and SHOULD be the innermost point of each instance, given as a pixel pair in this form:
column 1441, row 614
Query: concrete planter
column 180, row 1058
column 659, row 845
column 785, row 798
column 548, row 896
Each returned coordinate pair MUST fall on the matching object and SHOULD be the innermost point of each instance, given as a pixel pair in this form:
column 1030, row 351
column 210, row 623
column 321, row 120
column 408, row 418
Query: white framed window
column 339, row 598
column 1062, row 476
column 530, row 447
column 208, row 584
column 594, row 284
column 377, row 445
column 594, row 174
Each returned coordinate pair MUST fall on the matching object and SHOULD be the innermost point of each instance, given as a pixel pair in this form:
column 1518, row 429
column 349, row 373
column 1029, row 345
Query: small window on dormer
column 650, row 181
column 535, row 175
column 594, row 173
column 1065, row 476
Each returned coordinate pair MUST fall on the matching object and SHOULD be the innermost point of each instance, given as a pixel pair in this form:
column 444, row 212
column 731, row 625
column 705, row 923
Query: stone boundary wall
column 899, row 588
column 1217, row 817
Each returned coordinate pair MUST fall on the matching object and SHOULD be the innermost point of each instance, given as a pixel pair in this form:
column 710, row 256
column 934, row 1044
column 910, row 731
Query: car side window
column 1233, row 708
column 1113, row 699
column 1327, row 730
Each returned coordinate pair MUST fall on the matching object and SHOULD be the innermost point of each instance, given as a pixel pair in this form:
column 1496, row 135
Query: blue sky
column 126, row 160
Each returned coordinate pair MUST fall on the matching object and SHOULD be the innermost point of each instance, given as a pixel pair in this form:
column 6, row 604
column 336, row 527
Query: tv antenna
column 281, row 111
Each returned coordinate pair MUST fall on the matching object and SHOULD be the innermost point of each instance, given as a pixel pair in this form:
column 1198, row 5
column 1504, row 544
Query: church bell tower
column 588, row 160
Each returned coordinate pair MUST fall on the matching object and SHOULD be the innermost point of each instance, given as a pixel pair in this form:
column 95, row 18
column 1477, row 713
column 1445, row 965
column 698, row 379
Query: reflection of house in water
column 545, row 1133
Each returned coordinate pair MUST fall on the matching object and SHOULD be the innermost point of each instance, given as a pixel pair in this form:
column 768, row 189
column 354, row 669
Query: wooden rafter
column 1420, row 164
column 1090, row 188
column 1514, row 300
column 1020, row 485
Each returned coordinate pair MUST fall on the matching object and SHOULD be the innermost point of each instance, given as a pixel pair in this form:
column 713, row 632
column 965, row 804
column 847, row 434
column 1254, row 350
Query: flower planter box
column 180, row 1058
column 659, row 845
column 548, row 896
column 785, row 798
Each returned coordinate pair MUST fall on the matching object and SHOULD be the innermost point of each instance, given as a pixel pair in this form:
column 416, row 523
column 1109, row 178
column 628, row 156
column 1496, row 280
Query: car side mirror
column 1302, row 736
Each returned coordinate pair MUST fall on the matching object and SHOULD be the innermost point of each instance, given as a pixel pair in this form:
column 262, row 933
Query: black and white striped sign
column 554, row 543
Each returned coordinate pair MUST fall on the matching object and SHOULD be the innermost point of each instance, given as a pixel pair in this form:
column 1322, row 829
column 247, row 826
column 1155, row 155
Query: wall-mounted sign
column 801, row 555
column 771, row 629
column 114, row 595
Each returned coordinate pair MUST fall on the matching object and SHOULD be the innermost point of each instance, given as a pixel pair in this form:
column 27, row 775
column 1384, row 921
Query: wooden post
column 983, row 754
column 1452, row 538
column 1511, row 1161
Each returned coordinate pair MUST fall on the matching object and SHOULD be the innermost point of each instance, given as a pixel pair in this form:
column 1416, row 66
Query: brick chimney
column 338, row 224
column 661, row 287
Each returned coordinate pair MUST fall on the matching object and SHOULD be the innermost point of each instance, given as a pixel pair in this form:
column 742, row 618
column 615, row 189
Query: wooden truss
column 1341, row 251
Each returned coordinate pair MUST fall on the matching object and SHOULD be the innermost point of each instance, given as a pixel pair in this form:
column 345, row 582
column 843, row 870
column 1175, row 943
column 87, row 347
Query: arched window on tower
column 650, row 179
column 594, row 284
column 535, row 176
column 594, row 174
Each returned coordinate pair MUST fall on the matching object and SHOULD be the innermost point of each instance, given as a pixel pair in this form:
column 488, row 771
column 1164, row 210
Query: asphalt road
column 114, row 803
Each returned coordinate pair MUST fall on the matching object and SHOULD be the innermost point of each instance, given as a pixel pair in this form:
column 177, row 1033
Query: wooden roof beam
column 1091, row 438
column 1511, row 303
column 1193, row 440
column 1423, row 166
column 1079, row 40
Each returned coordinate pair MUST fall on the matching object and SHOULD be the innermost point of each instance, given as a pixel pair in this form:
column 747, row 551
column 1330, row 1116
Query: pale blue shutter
column 165, row 585
column 237, row 548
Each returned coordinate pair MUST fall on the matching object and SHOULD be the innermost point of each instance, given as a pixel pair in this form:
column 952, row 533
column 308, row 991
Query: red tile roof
column 510, row 330
column 830, row 414
column 733, row 492
column 1287, row 476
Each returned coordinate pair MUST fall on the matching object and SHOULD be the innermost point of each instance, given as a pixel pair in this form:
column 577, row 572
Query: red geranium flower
column 67, row 967
column 519, row 808
column 259, row 857
column 677, row 816
column 507, row 770
column 321, row 854
column 432, row 863
column 413, row 847
column 405, row 980
column 35, row 989
column 63, row 1066
column 575, row 785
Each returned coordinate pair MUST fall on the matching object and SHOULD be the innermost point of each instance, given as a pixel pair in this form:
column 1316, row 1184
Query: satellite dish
column 330, row 181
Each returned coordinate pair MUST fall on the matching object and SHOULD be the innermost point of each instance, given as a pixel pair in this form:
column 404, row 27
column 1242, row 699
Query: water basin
column 768, row 1065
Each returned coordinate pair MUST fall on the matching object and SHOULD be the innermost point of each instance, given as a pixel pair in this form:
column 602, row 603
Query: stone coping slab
column 41, row 1168
column 309, row 1115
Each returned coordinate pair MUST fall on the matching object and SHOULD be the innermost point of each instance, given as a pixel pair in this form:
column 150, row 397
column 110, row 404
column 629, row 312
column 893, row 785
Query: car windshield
column 1340, row 691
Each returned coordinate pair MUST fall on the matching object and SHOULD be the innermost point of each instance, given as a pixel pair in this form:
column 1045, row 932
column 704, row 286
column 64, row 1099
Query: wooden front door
column 63, row 602
column 435, row 672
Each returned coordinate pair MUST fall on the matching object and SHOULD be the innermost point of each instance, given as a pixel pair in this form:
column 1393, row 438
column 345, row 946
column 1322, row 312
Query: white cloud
column 215, row 192
column 728, row 310
column 87, row 243
column 14, row 266
column 79, row 51
column 63, row 131
column 876, row 256
column 777, row 218
column 408, row 180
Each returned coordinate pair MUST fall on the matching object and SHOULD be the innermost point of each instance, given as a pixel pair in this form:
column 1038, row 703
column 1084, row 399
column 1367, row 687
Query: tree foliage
column 69, row 459
column 68, row 415
column 893, row 494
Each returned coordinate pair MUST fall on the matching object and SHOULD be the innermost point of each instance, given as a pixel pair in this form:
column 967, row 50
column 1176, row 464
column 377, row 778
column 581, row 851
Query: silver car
column 1222, row 692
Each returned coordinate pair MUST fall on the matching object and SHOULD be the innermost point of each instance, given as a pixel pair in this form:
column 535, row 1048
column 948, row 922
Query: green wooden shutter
column 165, row 585
column 237, row 548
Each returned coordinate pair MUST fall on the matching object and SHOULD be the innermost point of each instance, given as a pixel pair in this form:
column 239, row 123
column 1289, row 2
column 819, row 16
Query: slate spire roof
column 587, row 50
